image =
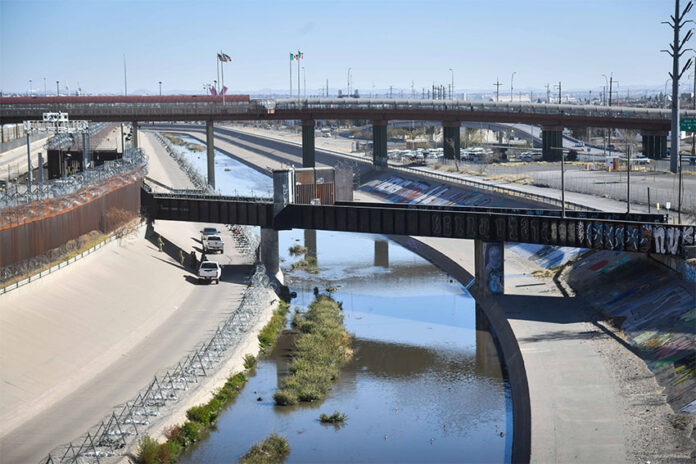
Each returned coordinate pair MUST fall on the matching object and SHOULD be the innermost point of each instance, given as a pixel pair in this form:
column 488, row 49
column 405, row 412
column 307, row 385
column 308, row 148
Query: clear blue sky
column 384, row 42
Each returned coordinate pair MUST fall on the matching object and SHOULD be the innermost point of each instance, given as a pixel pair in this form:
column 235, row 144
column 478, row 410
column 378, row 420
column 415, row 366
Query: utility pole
column 497, row 88
column 628, row 178
column 559, row 93
column 676, row 50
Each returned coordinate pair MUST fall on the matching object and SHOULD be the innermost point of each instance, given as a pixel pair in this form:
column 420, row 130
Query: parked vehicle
column 208, row 231
column 209, row 271
column 212, row 243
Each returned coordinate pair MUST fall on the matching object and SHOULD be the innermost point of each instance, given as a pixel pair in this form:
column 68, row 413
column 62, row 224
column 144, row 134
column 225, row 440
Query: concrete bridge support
column 310, row 242
column 451, row 139
column 210, row 146
column 382, row 253
column 268, row 250
column 490, row 266
column 379, row 143
column 308, row 152
column 655, row 145
column 134, row 134
column 551, row 137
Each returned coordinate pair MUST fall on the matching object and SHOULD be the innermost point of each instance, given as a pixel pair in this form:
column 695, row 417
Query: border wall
column 34, row 229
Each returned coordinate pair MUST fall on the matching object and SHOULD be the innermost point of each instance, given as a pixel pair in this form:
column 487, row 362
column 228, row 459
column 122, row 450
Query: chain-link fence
column 128, row 422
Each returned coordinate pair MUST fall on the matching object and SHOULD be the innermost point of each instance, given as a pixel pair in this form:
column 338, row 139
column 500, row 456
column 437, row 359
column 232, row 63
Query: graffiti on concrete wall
column 493, row 267
column 657, row 310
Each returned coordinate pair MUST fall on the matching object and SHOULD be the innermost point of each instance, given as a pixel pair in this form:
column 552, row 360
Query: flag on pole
column 296, row 56
column 224, row 57
column 223, row 91
column 213, row 91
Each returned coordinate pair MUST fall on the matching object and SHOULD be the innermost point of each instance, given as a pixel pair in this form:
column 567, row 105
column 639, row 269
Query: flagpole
column 217, row 63
column 222, row 71
column 290, row 75
column 299, row 54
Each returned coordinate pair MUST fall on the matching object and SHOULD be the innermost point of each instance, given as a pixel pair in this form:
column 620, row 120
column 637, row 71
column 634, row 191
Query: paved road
column 81, row 341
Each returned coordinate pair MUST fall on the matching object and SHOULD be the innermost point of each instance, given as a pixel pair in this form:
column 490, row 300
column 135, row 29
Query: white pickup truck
column 208, row 231
column 212, row 243
column 209, row 271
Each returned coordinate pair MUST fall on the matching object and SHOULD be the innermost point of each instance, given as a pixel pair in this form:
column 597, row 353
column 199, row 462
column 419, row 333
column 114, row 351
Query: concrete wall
column 41, row 233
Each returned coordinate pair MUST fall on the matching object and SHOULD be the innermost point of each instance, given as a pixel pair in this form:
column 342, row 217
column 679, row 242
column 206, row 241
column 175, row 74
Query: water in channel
column 424, row 384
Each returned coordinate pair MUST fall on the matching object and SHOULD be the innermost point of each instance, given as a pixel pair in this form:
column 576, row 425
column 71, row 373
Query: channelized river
column 424, row 384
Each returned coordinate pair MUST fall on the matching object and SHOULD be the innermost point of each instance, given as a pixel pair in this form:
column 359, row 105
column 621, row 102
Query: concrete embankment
column 83, row 340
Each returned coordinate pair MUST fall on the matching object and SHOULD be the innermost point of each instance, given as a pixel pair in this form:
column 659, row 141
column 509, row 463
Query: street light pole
column 628, row 178
column 451, row 89
column 561, row 149
column 511, row 78
column 348, row 82
column 160, row 88
column 57, row 89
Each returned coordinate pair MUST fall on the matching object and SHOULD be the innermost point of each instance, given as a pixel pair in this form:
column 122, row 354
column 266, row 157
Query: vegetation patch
column 182, row 143
column 272, row 450
column 308, row 264
column 335, row 418
column 297, row 250
column 320, row 349
column 204, row 416
column 268, row 334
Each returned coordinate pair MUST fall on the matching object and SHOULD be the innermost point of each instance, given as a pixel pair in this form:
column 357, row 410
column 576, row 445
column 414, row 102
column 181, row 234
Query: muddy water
column 424, row 386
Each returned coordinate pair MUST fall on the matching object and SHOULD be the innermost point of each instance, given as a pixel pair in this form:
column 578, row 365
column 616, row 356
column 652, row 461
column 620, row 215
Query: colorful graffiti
column 656, row 310
column 493, row 267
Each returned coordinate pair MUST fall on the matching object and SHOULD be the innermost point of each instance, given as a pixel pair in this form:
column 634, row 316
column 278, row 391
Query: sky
column 384, row 43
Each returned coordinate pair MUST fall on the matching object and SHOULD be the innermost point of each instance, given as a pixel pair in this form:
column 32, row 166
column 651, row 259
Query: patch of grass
column 320, row 350
column 182, row 143
column 272, row 450
column 308, row 264
column 335, row 418
column 270, row 332
column 249, row 361
column 297, row 250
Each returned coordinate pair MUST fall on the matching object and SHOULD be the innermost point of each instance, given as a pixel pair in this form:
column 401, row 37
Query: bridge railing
column 477, row 106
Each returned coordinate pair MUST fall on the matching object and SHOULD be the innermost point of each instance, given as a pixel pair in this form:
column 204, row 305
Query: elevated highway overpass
column 654, row 124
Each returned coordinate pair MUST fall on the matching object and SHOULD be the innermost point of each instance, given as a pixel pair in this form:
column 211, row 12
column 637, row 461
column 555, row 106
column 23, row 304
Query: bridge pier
column 654, row 144
column 382, row 253
column 210, row 146
column 134, row 134
column 308, row 152
column 310, row 242
column 551, row 137
column 379, row 143
column 269, row 250
column 451, row 139
column 490, row 266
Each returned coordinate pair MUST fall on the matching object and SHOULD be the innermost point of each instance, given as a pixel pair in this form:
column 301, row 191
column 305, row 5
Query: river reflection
column 424, row 385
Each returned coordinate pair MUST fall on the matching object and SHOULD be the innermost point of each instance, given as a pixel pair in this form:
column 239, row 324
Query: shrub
column 297, row 250
column 273, row 450
column 285, row 398
column 249, row 361
column 149, row 451
column 269, row 333
column 334, row 418
column 190, row 432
